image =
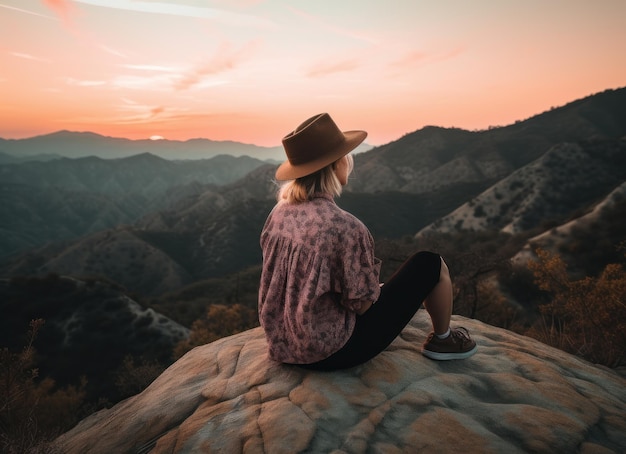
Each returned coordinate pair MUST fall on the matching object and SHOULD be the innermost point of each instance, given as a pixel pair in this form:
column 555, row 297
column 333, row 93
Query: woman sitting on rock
column 320, row 301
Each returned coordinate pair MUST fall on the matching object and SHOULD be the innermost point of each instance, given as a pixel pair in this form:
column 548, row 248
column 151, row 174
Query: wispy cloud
column 157, row 110
column 65, row 10
column 178, row 9
column 84, row 83
column 159, row 82
column 326, row 68
column 110, row 50
column 224, row 59
column 418, row 57
column 164, row 81
column 154, row 68
column 62, row 8
column 29, row 57
column 164, row 78
column 32, row 13
column 132, row 112
column 168, row 116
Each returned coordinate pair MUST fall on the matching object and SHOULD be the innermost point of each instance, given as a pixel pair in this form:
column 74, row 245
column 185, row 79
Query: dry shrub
column 33, row 411
column 220, row 321
column 495, row 308
column 585, row 316
column 132, row 378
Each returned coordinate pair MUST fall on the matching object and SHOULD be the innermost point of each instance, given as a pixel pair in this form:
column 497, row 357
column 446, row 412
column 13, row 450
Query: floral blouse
column 318, row 270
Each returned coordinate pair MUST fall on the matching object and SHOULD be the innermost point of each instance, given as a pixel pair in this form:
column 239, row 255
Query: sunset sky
column 251, row 70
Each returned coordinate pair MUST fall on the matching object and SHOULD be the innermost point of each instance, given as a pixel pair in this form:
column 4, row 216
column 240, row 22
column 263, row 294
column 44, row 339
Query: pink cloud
column 62, row 8
column 157, row 110
column 224, row 59
column 414, row 58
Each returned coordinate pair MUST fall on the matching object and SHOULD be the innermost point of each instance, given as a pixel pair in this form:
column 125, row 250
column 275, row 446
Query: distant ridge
column 72, row 144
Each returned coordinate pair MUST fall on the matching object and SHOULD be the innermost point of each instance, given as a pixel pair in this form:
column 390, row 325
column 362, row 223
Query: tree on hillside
column 584, row 316
column 220, row 321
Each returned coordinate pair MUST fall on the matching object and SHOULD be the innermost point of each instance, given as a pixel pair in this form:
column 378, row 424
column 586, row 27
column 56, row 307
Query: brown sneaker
column 458, row 345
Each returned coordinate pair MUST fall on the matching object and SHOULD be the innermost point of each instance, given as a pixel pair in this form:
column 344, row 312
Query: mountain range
column 201, row 219
column 44, row 201
column 161, row 232
column 72, row 144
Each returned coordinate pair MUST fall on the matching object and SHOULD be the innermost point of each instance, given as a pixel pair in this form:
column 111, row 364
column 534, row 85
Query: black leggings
column 400, row 298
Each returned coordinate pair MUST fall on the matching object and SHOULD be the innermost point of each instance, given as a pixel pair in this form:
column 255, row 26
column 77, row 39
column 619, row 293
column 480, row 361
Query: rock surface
column 514, row 395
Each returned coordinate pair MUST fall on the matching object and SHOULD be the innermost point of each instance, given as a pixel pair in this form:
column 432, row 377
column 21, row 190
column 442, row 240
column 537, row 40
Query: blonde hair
column 324, row 180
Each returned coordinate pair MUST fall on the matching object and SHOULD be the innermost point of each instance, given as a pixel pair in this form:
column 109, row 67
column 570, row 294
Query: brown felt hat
column 313, row 145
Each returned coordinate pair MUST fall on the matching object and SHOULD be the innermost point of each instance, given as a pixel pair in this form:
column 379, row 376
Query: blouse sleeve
column 359, row 270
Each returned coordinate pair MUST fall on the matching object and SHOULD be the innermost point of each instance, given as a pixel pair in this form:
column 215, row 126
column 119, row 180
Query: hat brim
column 287, row 171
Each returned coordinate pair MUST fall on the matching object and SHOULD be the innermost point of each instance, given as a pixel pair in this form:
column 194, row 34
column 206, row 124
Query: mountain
column 567, row 178
column 208, row 232
column 81, row 315
column 604, row 224
column 515, row 395
column 31, row 217
column 144, row 174
column 435, row 158
column 68, row 198
column 82, row 144
column 10, row 159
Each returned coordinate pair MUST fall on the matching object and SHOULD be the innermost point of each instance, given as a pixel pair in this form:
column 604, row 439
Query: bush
column 585, row 316
column 133, row 378
column 220, row 321
column 32, row 411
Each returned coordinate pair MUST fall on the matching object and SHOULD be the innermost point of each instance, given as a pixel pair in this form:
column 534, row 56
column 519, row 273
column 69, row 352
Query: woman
column 320, row 301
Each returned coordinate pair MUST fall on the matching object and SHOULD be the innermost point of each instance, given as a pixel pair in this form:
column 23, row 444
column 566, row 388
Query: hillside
column 90, row 327
column 435, row 158
column 33, row 216
column 567, row 178
column 599, row 235
column 63, row 199
column 142, row 174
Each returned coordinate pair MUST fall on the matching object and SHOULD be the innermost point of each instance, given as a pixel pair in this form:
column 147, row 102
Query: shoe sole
column 447, row 356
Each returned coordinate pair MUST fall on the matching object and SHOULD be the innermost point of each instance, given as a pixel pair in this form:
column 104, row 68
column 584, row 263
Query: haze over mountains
column 70, row 144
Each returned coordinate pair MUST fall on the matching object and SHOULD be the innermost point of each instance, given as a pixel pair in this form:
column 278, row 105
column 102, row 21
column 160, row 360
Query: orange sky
column 251, row 70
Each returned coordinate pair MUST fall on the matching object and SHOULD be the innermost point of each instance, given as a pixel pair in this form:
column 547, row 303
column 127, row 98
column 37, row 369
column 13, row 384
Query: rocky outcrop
column 514, row 395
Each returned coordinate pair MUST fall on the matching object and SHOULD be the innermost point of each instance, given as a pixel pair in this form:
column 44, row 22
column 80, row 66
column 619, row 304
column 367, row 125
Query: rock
column 515, row 395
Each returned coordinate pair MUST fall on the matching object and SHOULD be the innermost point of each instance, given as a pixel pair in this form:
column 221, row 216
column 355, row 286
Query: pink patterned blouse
column 318, row 270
